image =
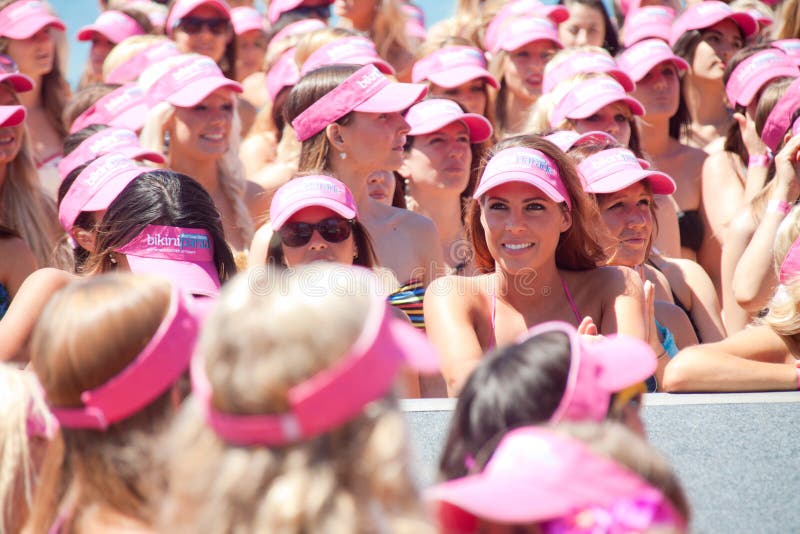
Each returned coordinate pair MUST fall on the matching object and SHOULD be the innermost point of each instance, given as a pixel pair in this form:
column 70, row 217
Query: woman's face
column 629, row 218
column 10, row 136
column 381, row 186
column 251, row 47
column 471, row 95
column 718, row 44
column 35, row 55
column 101, row 47
column 660, row 90
column 523, row 70
column 318, row 248
column 615, row 119
column 209, row 37
column 375, row 141
column 440, row 160
column 585, row 26
column 522, row 226
column 204, row 130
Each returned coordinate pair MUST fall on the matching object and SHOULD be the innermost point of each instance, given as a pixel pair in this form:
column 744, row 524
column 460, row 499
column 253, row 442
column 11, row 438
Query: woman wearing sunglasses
column 315, row 218
column 26, row 35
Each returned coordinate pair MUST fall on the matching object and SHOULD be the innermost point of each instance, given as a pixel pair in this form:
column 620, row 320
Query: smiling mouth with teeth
column 517, row 246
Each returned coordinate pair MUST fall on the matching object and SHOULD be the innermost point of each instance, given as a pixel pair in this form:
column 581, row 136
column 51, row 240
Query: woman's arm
column 756, row 359
column 722, row 192
column 704, row 308
column 736, row 240
column 668, row 239
column 451, row 329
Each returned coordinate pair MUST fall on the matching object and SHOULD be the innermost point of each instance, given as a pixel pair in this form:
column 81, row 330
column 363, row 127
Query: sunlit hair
column 127, row 48
column 54, row 88
column 28, row 210
column 784, row 308
column 578, row 247
column 354, row 478
column 21, row 401
column 83, row 100
column 788, row 20
column 88, row 332
column 539, row 121
column 580, row 152
column 315, row 151
column 311, row 42
column 388, row 30
column 229, row 167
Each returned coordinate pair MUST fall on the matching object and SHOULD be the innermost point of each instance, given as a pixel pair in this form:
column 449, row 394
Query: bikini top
column 409, row 298
column 572, row 305
column 5, row 300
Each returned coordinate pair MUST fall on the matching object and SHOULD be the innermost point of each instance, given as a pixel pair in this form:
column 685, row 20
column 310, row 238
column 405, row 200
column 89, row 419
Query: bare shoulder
column 274, row 175
column 462, row 291
column 719, row 167
column 408, row 219
column 606, row 279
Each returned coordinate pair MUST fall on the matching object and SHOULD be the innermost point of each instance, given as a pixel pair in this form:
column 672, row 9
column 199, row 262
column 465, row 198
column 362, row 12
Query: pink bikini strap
column 571, row 302
column 494, row 308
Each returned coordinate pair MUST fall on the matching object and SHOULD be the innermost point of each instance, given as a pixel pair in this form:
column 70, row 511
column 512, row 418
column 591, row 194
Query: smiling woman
column 530, row 226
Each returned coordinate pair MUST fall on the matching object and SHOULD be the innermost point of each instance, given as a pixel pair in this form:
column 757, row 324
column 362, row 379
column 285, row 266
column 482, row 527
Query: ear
column 334, row 133
column 566, row 219
column 85, row 238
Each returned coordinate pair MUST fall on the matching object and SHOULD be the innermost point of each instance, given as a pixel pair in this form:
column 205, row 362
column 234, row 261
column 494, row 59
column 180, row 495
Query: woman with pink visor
column 534, row 238
column 442, row 154
column 350, row 124
column 112, row 395
column 25, row 35
column 250, row 40
column 706, row 36
column 194, row 123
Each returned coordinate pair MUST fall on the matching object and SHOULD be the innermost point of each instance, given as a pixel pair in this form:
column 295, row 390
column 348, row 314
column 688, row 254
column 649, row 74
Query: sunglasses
column 194, row 25
column 332, row 230
column 320, row 12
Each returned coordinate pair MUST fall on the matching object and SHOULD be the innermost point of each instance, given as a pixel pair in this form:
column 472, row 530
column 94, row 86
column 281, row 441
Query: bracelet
column 756, row 160
column 778, row 206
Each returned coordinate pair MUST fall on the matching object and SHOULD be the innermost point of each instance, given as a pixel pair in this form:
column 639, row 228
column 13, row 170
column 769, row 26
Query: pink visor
column 97, row 186
column 521, row 8
column 451, row 66
column 597, row 370
column 300, row 27
column 115, row 26
column 367, row 90
column 585, row 62
column 791, row 47
column 518, row 32
column 703, row 15
column 614, row 169
column 117, row 140
column 124, row 107
column 536, row 475
column 20, row 20
column 333, row 396
column 190, row 82
column 354, row 50
column 526, row 165
column 246, row 19
column 283, row 73
column 649, row 22
column 434, row 114
column 645, row 55
column 129, row 70
column 779, row 119
column 790, row 266
column 755, row 72
column 185, row 256
column 306, row 191
column 590, row 96
column 12, row 115
column 762, row 19
column 162, row 361
column 566, row 139
column 181, row 8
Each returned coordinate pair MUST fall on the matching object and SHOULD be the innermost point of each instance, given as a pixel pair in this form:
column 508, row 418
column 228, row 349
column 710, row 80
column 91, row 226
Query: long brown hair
column 86, row 335
column 578, row 247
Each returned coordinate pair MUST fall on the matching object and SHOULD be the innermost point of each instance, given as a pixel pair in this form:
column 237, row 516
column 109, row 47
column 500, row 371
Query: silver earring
column 342, row 155
column 166, row 142
column 112, row 259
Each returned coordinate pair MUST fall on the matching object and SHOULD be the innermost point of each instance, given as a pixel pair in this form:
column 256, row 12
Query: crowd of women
column 545, row 210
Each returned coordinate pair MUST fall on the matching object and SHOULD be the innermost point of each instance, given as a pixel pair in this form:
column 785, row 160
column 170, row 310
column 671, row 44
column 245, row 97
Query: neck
column 360, row 25
column 32, row 99
column 705, row 101
column 524, row 291
column 654, row 134
column 517, row 112
column 353, row 177
column 443, row 207
column 204, row 171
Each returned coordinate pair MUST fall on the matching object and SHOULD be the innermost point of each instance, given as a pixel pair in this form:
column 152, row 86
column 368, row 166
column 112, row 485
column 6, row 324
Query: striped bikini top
column 409, row 298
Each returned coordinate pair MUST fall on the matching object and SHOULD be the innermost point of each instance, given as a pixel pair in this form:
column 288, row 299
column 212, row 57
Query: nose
column 41, row 36
column 636, row 218
column 582, row 37
column 458, row 150
column 317, row 242
column 403, row 126
column 514, row 221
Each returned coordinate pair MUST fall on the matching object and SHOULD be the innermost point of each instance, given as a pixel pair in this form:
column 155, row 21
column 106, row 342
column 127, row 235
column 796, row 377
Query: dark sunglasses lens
column 320, row 12
column 334, row 230
column 194, row 25
column 296, row 234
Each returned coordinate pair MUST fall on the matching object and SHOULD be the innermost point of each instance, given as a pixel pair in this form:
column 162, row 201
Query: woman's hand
column 786, row 165
column 752, row 141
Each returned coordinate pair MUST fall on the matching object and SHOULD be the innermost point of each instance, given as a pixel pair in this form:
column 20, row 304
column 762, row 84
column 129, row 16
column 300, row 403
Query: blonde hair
column 229, row 168
column 354, row 478
column 127, row 49
column 388, row 31
column 88, row 332
column 21, row 400
column 539, row 120
column 784, row 308
column 788, row 22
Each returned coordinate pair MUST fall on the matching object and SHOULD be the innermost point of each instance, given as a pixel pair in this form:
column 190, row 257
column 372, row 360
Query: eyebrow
column 525, row 201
